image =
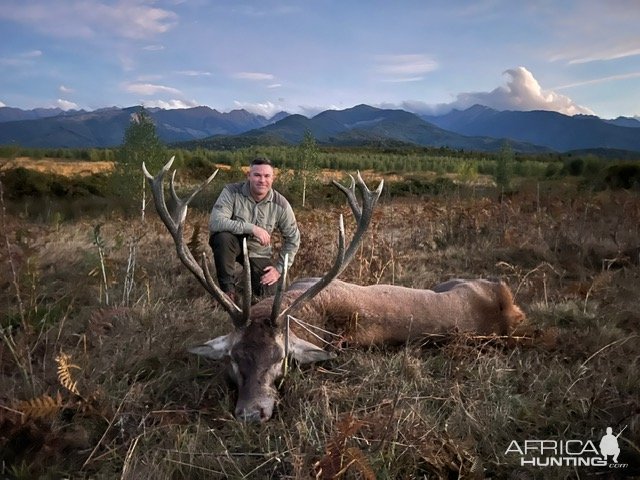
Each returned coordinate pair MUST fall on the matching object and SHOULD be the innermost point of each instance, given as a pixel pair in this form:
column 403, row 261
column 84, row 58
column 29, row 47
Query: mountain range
column 477, row 128
column 47, row 128
column 551, row 129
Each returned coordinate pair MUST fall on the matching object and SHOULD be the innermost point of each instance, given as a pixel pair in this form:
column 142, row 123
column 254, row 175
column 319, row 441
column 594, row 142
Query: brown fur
column 371, row 315
column 380, row 314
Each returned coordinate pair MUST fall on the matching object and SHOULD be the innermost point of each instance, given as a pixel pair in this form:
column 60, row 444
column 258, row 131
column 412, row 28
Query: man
column 252, row 210
column 609, row 445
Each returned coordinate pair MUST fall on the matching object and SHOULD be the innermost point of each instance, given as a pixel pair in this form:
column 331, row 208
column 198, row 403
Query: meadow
column 98, row 314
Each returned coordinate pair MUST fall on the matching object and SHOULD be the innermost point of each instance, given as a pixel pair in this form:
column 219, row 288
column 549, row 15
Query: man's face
column 260, row 180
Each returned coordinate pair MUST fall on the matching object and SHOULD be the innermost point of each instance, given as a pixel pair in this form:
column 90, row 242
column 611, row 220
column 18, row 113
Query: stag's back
column 378, row 314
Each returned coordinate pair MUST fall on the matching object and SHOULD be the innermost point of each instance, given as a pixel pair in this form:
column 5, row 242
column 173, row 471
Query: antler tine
column 363, row 218
column 362, row 215
column 246, row 283
column 277, row 299
column 317, row 287
column 350, row 193
column 174, row 221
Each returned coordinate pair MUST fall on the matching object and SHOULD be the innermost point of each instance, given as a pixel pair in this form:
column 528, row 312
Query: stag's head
column 260, row 342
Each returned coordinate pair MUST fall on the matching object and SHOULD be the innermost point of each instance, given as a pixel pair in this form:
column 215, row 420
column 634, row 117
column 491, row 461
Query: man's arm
column 222, row 214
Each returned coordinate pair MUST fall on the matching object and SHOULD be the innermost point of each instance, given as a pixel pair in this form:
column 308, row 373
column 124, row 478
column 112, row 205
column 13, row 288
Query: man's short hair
column 261, row 161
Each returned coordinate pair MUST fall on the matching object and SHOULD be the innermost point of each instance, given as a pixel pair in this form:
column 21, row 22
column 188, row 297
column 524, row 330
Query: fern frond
column 64, row 373
column 42, row 407
column 357, row 459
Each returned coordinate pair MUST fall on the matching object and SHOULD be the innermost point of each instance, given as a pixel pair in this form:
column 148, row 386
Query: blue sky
column 572, row 56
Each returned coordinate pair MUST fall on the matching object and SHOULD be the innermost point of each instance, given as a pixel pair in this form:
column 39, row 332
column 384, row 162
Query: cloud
column 274, row 85
column 150, row 89
column 32, row 54
column 2, row 104
column 153, row 48
column 597, row 31
column 65, row 89
column 254, row 76
column 402, row 79
column 88, row 18
column 606, row 56
column 21, row 59
column 266, row 109
column 66, row 105
column 615, row 50
column 171, row 104
column 263, row 11
column 594, row 81
column 404, row 68
column 521, row 93
column 193, row 73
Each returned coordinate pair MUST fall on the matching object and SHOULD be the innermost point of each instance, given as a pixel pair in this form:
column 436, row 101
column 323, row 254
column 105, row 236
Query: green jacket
column 237, row 212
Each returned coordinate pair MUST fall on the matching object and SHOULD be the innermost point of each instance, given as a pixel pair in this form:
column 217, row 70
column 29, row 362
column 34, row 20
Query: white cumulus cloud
column 522, row 92
column 266, row 109
column 66, row 105
column 171, row 104
column 65, row 89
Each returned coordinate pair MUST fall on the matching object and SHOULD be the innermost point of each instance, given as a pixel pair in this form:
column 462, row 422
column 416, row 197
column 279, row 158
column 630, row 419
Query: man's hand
column 262, row 235
column 270, row 276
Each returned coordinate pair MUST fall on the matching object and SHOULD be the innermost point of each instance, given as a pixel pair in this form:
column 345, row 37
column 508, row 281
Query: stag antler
column 174, row 220
column 344, row 256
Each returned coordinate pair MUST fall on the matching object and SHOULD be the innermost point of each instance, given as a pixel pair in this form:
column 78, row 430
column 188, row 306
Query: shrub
column 414, row 185
column 20, row 183
column 625, row 176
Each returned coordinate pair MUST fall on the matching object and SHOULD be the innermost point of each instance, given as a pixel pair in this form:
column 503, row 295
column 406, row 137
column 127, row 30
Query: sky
column 306, row 56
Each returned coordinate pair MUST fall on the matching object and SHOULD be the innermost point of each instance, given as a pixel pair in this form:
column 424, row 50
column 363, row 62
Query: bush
column 418, row 186
column 623, row 176
column 575, row 167
column 198, row 167
column 21, row 183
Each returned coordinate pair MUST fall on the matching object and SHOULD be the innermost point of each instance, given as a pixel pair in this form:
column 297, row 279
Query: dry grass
column 96, row 390
column 70, row 168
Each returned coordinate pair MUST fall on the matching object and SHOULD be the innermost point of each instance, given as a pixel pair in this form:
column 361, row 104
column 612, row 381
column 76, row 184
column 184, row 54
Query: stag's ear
column 216, row 348
column 306, row 352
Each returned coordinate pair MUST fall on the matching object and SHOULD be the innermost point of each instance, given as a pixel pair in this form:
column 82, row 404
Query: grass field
column 97, row 314
column 71, row 168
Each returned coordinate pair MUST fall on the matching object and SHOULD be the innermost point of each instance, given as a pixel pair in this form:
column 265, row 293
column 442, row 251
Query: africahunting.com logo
column 568, row 453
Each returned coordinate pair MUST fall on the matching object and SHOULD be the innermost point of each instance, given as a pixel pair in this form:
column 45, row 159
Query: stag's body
column 369, row 315
column 388, row 314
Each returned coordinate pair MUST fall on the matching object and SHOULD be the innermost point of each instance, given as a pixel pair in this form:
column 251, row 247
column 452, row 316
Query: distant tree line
column 401, row 160
column 300, row 165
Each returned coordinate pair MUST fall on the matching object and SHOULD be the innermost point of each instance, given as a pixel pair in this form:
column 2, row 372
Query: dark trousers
column 227, row 252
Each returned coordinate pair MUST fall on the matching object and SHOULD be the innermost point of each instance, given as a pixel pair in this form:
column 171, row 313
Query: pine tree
column 504, row 167
column 141, row 144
